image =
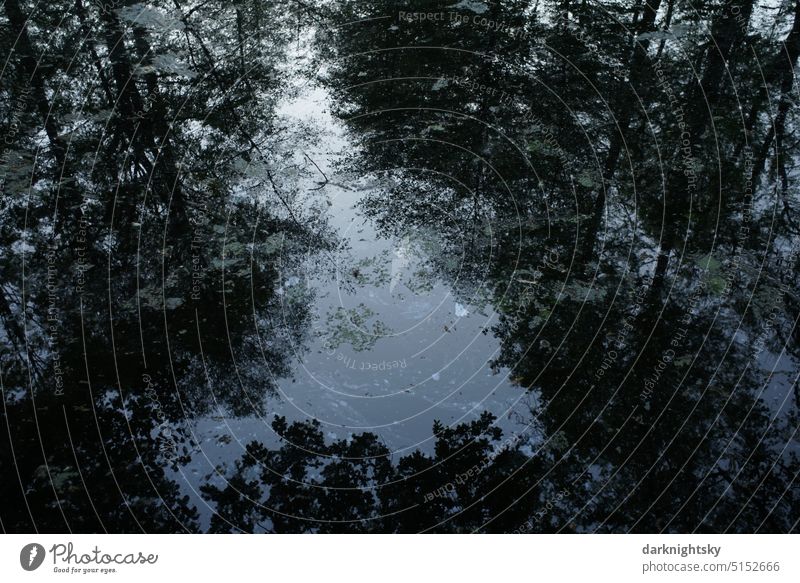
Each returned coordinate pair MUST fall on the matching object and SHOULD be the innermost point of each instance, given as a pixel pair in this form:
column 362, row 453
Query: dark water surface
column 468, row 266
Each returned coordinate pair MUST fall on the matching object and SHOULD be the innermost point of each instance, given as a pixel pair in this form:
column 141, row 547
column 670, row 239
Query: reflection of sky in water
column 391, row 349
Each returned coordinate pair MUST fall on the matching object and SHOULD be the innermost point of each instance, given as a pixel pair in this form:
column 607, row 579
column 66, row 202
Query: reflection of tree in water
column 352, row 485
column 614, row 185
column 147, row 243
column 635, row 339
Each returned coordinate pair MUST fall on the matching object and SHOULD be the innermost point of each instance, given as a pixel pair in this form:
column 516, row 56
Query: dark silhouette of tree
column 612, row 182
column 144, row 244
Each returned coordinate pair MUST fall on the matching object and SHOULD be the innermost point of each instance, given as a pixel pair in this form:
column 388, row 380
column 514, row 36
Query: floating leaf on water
column 172, row 303
column 352, row 326
column 471, row 6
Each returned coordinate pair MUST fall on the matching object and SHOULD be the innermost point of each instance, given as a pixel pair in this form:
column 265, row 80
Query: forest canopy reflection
column 612, row 183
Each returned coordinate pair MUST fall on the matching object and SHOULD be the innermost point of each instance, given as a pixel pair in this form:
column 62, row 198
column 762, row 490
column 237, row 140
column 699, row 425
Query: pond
column 449, row 266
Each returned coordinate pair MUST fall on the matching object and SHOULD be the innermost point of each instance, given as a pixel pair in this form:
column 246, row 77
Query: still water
column 355, row 267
